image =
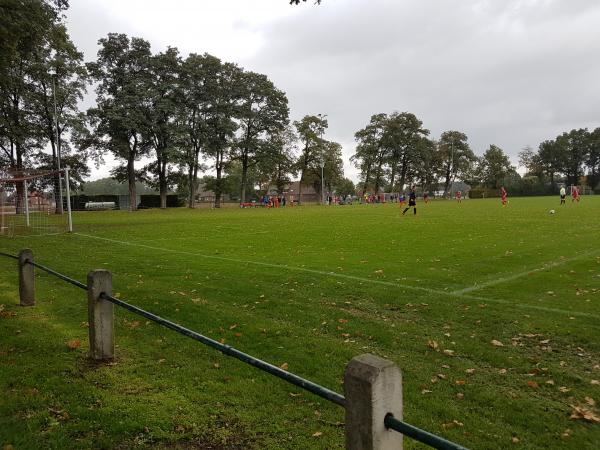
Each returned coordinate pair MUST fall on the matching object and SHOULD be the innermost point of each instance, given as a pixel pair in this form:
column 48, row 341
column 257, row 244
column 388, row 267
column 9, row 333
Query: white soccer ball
column 552, row 211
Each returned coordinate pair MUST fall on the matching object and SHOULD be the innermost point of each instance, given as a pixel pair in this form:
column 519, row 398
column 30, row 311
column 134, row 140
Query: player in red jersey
column 574, row 194
column 503, row 195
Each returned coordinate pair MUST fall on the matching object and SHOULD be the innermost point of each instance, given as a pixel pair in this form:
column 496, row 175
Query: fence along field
column 404, row 324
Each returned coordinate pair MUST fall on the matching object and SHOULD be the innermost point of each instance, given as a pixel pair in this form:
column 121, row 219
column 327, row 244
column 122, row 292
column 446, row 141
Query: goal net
column 34, row 202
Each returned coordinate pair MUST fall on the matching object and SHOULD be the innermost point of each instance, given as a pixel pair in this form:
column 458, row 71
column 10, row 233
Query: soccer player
column 503, row 195
column 574, row 194
column 459, row 196
column 402, row 200
column 412, row 201
column 563, row 195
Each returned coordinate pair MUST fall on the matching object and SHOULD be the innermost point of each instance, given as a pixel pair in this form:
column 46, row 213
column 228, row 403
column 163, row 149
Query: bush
column 153, row 201
column 483, row 192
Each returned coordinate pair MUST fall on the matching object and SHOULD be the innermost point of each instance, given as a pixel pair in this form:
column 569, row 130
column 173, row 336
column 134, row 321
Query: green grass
column 332, row 283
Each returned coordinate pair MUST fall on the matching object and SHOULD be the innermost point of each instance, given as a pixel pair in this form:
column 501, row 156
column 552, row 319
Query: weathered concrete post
column 26, row 278
column 100, row 315
column 373, row 388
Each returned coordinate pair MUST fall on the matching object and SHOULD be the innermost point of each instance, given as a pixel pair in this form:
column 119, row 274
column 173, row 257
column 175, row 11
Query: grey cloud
column 510, row 72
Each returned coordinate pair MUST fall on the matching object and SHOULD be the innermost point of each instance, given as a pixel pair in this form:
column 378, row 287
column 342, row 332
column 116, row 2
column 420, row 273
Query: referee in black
column 412, row 201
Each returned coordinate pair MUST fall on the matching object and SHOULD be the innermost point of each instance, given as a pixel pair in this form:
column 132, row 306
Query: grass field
column 312, row 287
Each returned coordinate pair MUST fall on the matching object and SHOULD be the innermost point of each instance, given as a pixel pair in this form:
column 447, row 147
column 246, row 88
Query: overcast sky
column 506, row 72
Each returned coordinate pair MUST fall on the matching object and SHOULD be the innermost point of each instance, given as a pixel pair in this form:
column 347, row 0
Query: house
column 291, row 190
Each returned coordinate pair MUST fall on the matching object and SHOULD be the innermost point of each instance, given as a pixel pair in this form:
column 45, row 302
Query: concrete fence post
column 100, row 315
column 373, row 388
column 26, row 278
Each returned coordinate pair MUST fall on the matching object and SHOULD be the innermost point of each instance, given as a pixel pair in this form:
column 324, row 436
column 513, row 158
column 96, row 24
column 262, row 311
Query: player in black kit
column 412, row 201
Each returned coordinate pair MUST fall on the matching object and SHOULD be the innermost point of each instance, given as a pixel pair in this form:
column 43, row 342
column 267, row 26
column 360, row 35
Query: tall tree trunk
column 300, row 188
column 447, row 181
column 403, row 171
column 131, row 180
column 219, row 167
column 244, row 175
column 393, row 177
column 162, row 182
column 192, row 193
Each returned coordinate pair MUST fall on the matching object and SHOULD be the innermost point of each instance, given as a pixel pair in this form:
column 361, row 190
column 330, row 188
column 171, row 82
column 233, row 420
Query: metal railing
column 390, row 422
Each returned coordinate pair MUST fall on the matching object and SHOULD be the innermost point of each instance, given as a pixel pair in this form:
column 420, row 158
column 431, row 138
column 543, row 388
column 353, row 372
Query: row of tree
column 395, row 150
column 179, row 113
column 573, row 155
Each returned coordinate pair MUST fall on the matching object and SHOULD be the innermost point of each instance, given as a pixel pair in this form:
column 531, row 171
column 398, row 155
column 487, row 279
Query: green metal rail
column 390, row 421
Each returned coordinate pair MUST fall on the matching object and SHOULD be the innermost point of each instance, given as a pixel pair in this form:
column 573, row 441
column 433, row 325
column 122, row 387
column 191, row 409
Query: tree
column 24, row 29
column 263, row 112
column 403, row 132
column 192, row 116
column 456, row 156
column 593, row 159
column 344, row 188
column 531, row 160
column 310, row 131
column 575, row 148
column 495, row 167
column 223, row 91
column 278, row 163
column 370, row 155
column 119, row 119
column 551, row 154
column 427, row 163
column 329, row 164
column 58, row 83
column 163, row 103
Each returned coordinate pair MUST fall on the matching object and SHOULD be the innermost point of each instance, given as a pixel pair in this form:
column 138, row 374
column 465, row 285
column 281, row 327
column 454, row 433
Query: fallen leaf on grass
column 595, row 382
column 502, row 371
column 515, row 440
column 470, row 371
column 454, row 423
column 590, row 401
column 460, row 382
column 74, row 344
column 284, row 366
column 551, row 382
column 233, row 327
column 432, row 344
column 460, row 396
column 59, row 414
column 425, row 391
column 449, row 352
column 564, row 389
column 317, row 434
column 342, row 320
column 496, row 343
column 533, row 384
column 583, row 413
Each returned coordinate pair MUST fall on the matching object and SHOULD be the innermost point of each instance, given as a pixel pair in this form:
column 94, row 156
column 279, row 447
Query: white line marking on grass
column 349, row 277
column 515, row 276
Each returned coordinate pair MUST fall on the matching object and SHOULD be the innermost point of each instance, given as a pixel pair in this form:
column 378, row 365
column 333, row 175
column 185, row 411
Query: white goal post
column 31, row 202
